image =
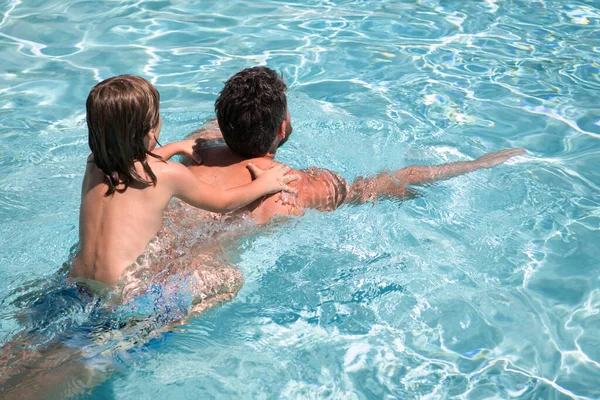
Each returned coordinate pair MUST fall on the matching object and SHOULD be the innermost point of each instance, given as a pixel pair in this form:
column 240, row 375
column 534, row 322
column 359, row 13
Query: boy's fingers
column 254, row 169
column 290, row 189
column 290, row 178
column 280, row 168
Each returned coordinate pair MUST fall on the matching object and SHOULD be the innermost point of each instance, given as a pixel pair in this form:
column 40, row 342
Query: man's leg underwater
column 56, row 370
column 205, row 277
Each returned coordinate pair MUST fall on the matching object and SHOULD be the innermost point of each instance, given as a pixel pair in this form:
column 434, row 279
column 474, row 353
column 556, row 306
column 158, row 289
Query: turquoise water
column 488, row 285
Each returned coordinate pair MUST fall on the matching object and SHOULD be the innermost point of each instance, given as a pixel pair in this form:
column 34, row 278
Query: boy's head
column 252, row 111
column 123, row 124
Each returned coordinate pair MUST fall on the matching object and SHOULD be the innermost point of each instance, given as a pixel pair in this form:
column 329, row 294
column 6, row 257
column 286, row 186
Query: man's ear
column 281, row 131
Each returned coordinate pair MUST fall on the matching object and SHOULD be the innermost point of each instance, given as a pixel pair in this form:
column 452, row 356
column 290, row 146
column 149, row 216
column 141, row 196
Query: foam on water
column 485, row 286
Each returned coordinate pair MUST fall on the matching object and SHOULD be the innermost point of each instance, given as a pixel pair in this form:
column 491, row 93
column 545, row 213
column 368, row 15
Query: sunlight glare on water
column 487, row 285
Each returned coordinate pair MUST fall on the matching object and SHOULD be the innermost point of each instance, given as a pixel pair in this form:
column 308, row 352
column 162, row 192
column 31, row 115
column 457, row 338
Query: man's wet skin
column 317, row 188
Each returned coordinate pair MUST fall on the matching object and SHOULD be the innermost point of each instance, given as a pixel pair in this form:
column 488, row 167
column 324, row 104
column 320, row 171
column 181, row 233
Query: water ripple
column 485, row 286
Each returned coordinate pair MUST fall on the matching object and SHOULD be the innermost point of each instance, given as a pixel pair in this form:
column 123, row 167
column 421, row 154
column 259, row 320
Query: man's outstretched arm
column 395, row 183
column 324, row 190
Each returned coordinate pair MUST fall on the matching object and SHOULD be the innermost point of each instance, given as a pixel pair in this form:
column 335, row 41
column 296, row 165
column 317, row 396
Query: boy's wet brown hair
column 120, row 111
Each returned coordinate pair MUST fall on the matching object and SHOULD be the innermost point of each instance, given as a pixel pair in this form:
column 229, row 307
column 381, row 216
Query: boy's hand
column 182, row 148
column 275, row 177
column 187, row 150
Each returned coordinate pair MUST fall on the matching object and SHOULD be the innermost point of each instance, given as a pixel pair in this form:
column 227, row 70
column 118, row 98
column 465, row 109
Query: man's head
column 252, row 112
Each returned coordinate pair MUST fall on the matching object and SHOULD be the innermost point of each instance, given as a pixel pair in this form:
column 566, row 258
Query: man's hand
column 394, row 184
column 490, row 160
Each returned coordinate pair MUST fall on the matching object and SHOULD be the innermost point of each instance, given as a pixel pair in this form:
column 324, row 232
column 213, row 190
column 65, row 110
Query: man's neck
column 273, row 148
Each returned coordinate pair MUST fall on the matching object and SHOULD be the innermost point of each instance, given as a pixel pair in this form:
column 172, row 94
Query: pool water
column 486, row 286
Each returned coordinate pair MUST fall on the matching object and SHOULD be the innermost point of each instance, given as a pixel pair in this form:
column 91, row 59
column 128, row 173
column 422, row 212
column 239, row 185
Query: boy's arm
column 199, row 194
column 182, row 148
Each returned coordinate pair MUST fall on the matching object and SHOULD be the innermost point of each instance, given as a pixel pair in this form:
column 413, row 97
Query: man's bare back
column 317, row 188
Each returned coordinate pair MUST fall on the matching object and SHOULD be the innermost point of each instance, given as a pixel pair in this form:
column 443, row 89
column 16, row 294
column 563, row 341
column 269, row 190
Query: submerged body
column 316, row 188
column 115, row 230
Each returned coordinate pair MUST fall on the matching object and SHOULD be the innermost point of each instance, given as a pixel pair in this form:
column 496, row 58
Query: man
column 254, row 122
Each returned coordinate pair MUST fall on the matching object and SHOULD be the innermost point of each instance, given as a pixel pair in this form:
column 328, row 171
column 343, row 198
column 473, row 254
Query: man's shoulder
column 320, row 189
column 210, row 130
column 264, row 162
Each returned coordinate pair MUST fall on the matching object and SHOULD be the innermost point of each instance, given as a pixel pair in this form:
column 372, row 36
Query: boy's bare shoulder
column 174, row 176
column 167, row 168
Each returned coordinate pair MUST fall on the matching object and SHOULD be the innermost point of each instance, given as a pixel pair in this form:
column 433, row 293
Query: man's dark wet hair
column 120, row 111
column 250, row 109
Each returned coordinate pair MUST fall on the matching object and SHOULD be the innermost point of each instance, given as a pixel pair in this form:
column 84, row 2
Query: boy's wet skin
column 127, row 186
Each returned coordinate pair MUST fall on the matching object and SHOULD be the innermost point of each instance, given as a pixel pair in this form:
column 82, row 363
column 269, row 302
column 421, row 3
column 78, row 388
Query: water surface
column 486, row 286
